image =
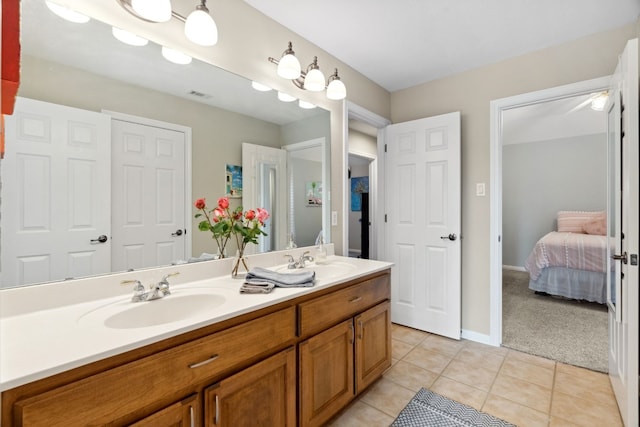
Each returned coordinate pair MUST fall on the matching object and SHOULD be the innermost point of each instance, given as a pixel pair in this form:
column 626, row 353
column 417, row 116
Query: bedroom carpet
column 567, row 331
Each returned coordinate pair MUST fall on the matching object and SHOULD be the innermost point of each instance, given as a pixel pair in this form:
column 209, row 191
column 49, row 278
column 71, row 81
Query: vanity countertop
column 42, row 342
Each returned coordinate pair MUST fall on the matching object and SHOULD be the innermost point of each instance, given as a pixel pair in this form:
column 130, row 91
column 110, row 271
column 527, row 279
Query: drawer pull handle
column 355, row 299
column 204, row 362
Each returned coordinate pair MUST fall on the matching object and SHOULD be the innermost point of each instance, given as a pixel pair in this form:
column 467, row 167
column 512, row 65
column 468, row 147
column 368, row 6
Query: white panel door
column 622, row 215
column 264, row 185
column 423, row 223
column 148, row 191
column 55, row 194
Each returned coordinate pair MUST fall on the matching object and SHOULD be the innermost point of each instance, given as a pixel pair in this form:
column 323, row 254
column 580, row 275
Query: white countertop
column 48, row 329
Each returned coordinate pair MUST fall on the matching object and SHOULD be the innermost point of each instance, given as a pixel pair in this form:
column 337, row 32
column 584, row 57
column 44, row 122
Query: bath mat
column 427, row 408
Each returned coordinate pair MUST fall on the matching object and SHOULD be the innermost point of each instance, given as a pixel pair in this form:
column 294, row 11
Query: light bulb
column 128, row 37
column 200, row 27
column 336, row 90
column 66, row 13
column 314, row 81
column 175, row 56
column 153, row 10
column 289, row 67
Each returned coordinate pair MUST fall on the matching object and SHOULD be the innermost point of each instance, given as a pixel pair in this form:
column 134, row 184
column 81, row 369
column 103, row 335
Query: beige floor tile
column 359, row 414
column 586, row 387
column 559, row 422
column 586, row 413
column 408, row 335
column 410, row 376
column 482, row 359
column 459, row 392
column 530, row 358
column 475, row 376
column 523, row 392
column 442, row 345
column 529, row 372
column 399, row 349
column 476, row 346
column 429, row 360
column 514, row 413
column 388, row 397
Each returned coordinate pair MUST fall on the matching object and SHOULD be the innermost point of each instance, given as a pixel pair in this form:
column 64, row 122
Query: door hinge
column 385, row 217
column 385, row 148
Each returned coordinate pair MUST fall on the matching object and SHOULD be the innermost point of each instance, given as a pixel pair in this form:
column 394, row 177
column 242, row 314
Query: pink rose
column 263, row 215
column 200, row 204
column 217, row 214
column 223, row 203
column 250, row 214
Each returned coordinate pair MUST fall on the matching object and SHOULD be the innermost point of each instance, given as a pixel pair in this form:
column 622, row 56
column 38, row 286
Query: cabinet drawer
column 113, row 394
column 322, row 312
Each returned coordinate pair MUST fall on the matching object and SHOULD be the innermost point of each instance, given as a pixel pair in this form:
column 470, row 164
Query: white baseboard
column 513, row 267
column 476, row 337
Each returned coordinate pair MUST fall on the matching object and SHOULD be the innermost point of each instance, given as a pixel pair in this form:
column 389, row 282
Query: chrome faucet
column 300, row 263
column 157, row 291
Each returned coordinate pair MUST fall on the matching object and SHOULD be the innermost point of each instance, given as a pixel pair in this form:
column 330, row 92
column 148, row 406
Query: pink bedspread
column 570, row 250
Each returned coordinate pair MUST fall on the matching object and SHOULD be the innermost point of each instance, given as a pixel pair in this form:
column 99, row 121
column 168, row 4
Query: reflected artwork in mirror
column 203, row 115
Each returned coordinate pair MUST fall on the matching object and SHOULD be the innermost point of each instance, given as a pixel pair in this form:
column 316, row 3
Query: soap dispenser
column 321, row 251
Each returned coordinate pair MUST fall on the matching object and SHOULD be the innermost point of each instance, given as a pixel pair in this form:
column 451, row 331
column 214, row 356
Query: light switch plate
column 480, row 189
column 334, row 218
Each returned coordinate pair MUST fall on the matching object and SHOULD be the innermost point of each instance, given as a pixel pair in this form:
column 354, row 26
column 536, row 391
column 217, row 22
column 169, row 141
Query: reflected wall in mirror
column 83, row 66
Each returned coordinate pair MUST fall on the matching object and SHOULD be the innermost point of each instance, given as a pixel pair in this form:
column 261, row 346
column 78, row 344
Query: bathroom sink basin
column 330, row 271
column 172, row 308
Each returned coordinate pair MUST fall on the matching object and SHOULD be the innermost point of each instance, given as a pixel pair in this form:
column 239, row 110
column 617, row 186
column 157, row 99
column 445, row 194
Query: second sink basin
column 331, row 270
column 172, row 308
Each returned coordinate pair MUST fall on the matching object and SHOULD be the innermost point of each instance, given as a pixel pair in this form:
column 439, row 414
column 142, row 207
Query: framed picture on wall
column 359, row 185
column 313, row 193
column 233, row 181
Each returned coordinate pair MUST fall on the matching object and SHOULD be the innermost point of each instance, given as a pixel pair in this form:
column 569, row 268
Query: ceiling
column 403, row 43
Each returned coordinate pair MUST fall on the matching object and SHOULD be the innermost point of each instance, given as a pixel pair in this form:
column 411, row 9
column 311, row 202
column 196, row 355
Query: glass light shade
column 153, row 10
column 66, row 13
column 128, row 37
column 260, row 87
column 285, row 97
column 200, row 28
column 599, row 101
column 306, row 105
column 314, row 81
column 289, row 67
column 175, row 56
column 336, row 90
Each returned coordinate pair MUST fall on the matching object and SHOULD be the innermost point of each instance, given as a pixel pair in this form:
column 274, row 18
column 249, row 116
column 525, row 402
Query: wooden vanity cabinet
column 341, row 361
column 180, row 414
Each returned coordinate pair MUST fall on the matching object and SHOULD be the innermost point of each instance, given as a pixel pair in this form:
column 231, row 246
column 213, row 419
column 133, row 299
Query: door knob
column 177, row 233
column 451, row 237
column 622, row 257
column 101, row 239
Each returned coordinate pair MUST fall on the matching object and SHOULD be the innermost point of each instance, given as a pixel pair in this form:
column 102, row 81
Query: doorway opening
column 500, row 215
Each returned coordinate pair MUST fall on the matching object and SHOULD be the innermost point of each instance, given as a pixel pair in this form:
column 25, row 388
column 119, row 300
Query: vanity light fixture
column 128, row 37
column 175, row 56
column 199, row 26
column 312, row 79
column 285, row 97
column 599, row 101
column 260, row 87
column 66, row 13
column 306, row 105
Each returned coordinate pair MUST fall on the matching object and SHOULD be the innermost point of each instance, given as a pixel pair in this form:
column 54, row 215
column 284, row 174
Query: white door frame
column 497, row 107
column 377, row 248
column 188, row 210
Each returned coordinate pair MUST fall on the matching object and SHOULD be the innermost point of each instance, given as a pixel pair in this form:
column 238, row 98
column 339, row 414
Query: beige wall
column 470, row 93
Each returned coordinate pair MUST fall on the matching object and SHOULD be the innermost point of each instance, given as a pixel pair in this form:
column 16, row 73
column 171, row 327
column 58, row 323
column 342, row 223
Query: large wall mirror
column 85, row 68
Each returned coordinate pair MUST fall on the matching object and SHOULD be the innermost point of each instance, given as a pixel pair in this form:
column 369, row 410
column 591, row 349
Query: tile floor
column 526, row 390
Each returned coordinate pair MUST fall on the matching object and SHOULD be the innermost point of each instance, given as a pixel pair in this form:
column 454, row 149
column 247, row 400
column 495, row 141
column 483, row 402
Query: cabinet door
column 261, row 395
column 373, row 344
column 180, row 414
column 326, row 373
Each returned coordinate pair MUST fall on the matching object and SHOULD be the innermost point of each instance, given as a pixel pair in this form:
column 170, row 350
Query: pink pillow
column 573, row 221
column 596, row 226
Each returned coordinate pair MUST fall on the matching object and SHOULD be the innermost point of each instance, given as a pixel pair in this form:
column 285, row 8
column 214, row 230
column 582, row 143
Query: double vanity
column 81, row 353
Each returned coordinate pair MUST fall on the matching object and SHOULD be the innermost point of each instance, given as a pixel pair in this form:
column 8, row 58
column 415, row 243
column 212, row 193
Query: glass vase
column 240, row 266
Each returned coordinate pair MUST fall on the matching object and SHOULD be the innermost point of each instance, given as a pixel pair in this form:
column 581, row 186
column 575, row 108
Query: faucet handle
column 138, row 289
column 166, row 276
column 289, row 257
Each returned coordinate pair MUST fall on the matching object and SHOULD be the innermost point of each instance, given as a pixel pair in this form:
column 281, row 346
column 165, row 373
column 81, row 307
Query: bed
column 572, row 261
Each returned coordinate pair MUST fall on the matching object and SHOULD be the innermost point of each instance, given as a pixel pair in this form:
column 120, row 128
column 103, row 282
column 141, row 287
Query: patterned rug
column 427, row 408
